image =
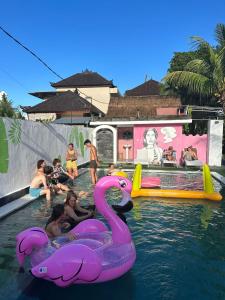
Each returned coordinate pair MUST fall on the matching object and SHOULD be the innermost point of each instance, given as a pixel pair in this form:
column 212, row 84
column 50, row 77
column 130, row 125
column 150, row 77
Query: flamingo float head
column 120, row 231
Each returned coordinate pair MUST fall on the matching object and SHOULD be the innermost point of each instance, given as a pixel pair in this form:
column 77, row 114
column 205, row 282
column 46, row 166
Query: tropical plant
column 81, row 139
column 15, row 132
column 204, row 77
column 4, row 153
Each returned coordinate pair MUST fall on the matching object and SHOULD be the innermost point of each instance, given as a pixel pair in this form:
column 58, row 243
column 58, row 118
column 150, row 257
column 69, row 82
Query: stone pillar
column 215, row 142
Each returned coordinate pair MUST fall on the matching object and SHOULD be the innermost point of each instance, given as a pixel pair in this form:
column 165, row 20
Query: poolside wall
column 22, row 143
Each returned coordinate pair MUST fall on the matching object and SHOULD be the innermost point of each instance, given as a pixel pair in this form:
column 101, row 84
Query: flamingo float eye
column 122, row 183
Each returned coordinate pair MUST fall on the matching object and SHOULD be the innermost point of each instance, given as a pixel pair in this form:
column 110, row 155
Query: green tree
column 203, row 76
column 6, row 108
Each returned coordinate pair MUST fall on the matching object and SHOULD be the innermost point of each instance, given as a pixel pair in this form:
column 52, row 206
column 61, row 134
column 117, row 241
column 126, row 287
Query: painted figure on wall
column 151, row 152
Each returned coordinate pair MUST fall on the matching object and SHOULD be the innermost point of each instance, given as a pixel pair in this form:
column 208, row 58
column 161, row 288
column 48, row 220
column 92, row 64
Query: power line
column 31, row 52
column 45, row 64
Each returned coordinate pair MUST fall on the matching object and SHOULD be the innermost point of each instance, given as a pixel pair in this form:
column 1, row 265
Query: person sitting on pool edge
column 39, row 187
column 111, row 170
column 74, row 212
column 169, row 154
column 53, row 183
column 189, row 154
column 40, row 166
column 56, row 224
column 59, row 172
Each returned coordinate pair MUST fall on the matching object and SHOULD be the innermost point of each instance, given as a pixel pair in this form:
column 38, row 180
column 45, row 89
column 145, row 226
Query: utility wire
column 45, row 64
column 31, row 52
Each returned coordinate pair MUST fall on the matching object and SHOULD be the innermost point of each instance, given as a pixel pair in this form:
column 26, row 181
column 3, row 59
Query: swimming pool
column 180, row 250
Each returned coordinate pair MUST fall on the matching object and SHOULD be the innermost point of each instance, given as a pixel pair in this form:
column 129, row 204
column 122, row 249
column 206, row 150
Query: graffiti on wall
column 151, row 152
column 149, row 142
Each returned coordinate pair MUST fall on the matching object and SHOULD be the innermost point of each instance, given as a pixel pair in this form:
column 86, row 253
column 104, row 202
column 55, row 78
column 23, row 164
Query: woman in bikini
column 71, row 161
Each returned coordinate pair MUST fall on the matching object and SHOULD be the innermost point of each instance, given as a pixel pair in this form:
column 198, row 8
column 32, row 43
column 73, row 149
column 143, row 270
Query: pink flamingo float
column 96, row 255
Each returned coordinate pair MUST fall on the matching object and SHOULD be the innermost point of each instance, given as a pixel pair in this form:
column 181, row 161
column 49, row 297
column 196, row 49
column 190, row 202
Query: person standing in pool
column 71, row 161
column 94, row 163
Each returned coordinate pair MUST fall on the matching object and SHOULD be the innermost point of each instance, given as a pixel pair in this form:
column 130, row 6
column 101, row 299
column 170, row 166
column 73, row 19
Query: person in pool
column 53, row 183
column 74, row 212
column 56, row 223
column 71, row 161
column 39, row 187
column 40, row 166
column 112, row 170
column 94, row 162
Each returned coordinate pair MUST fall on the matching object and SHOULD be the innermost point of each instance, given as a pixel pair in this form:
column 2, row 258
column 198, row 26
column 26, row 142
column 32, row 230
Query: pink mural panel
column 150, row 141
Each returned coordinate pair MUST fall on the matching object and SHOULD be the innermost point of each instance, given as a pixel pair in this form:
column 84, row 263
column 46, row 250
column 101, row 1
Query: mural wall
column 150, row 141
column 23, row 143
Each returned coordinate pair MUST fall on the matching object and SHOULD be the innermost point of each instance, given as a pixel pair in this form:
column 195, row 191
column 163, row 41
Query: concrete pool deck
column 15, row 205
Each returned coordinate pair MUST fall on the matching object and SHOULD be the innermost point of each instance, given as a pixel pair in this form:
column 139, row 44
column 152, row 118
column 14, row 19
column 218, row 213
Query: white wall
column 101, row 94
column 215, row 142
column 23, row 143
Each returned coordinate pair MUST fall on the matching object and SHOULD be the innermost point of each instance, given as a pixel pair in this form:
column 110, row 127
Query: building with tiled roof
column 84, row 79
column 148, row 88
column 64, row 105
column 92, row 88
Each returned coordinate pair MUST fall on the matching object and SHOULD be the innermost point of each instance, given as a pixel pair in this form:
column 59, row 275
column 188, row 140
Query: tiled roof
column 139, row 107
column 67, row 101
column 44, row 95
column 150, row 87
column 84, row 79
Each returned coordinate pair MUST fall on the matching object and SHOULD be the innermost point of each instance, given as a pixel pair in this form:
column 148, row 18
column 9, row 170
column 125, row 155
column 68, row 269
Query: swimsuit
column 35, row 192
column 71, row 164
column 93, row 164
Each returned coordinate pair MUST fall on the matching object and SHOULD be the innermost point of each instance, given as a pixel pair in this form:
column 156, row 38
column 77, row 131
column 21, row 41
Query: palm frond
column 198, row 66
column 220, row 35
column 193, row 82
column 200, row 44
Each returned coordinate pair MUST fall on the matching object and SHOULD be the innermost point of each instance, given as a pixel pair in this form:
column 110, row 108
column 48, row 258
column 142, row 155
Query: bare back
column 38, row 180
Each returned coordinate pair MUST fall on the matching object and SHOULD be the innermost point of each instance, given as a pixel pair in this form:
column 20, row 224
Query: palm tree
column 204, row 77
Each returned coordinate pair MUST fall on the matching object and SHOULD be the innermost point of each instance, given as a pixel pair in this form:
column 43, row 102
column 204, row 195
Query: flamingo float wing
column 68, row 264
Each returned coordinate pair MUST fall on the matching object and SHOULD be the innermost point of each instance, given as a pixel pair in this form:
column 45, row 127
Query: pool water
column 180, row 248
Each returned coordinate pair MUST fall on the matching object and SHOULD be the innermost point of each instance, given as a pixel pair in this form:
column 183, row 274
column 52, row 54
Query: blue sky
column 121, row 40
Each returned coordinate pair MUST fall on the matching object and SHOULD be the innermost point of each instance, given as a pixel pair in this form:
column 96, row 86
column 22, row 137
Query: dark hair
column 87, row 141
column 57, row 211
column 55, row 161
column 70, row 144
column 69, row 195
column 111, row 165
column 48, row 170
column 39, row 163
column 145, row 133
